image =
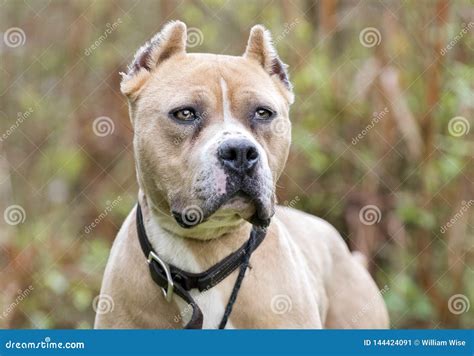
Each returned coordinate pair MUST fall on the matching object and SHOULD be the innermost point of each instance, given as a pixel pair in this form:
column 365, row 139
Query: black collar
column 174, row 280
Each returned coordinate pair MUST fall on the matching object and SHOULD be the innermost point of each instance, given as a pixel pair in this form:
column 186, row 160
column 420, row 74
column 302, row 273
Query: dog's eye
column 263, row 114
column 186, row 114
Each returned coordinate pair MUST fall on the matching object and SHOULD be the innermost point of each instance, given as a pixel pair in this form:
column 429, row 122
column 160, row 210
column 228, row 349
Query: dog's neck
column 193, row 254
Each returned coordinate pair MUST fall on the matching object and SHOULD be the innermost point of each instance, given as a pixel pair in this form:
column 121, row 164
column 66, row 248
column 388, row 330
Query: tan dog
column 212, row 136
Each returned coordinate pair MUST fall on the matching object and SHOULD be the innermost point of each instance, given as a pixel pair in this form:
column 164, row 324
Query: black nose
column 238, row 155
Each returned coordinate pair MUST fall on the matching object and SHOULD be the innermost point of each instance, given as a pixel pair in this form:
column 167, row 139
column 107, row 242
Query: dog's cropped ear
column 165, row 44
column 261, row 49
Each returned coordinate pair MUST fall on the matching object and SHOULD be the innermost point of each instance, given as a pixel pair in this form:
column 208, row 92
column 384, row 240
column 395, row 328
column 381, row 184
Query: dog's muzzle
column 240, row 159
column 241, row 162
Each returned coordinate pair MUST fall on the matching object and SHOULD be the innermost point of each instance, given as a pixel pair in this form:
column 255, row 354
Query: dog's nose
column 238, row 155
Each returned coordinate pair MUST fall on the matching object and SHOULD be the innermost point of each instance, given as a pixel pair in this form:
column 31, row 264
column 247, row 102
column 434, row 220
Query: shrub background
column 412, row 163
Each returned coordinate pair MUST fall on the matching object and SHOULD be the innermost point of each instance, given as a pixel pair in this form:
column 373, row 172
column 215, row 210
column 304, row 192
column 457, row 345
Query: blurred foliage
column 409, row 164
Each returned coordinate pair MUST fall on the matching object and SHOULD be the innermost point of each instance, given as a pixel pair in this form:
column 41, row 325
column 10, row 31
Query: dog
column 211, row 138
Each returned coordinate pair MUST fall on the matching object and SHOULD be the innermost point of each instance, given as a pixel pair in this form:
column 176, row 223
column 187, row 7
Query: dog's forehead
column 201, row 69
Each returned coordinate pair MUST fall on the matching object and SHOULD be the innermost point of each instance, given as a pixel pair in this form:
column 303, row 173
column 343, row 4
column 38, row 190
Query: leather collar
column 174, row 280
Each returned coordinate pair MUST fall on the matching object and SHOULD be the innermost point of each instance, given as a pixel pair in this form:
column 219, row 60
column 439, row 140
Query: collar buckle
column 168, row 293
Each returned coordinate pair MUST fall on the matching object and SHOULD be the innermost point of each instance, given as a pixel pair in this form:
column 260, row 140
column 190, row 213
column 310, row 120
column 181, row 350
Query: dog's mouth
column 238, row 200
column 241, row 203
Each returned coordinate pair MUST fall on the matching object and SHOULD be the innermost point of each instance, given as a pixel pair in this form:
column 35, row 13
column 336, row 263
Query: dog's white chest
column 211, row 303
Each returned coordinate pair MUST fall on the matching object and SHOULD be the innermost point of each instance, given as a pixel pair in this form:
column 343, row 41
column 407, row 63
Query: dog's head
column 211, row 132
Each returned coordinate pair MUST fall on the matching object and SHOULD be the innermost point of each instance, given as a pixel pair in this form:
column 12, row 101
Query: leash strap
column 238, row 282
column 174, row 280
